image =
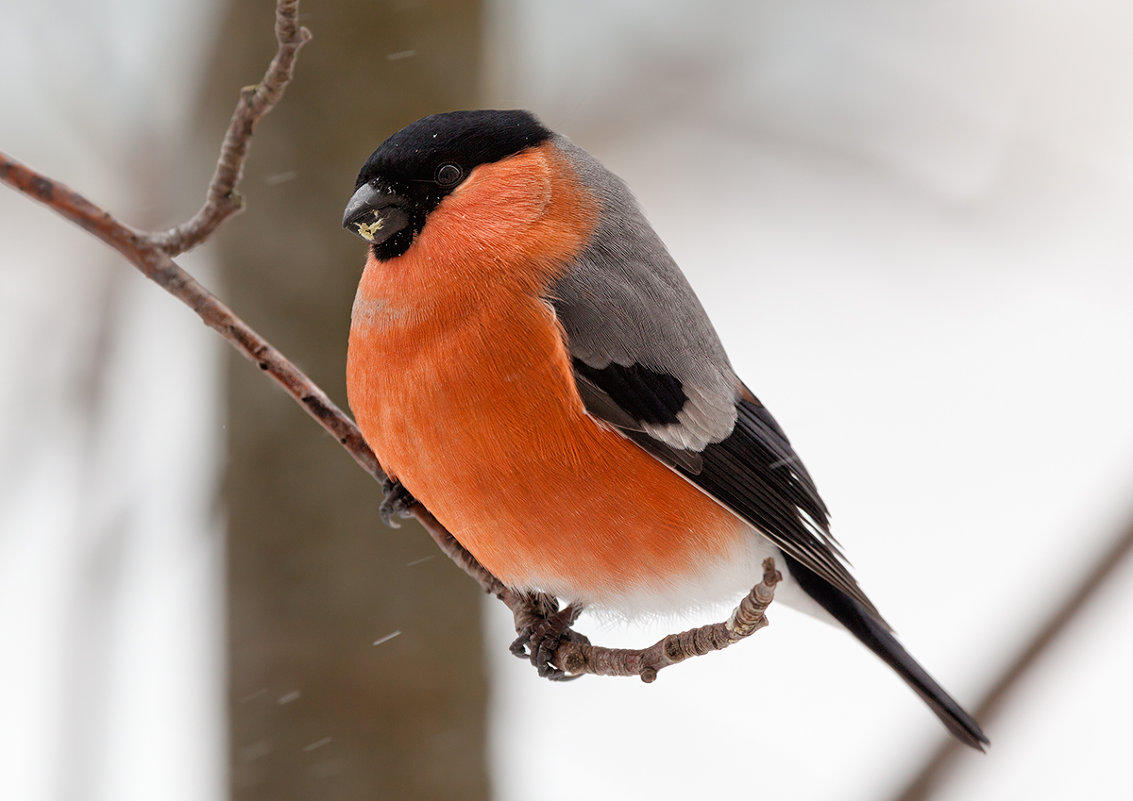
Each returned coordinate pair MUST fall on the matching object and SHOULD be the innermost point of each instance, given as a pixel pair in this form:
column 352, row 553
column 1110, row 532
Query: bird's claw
column 547, row 628
column 397, row 503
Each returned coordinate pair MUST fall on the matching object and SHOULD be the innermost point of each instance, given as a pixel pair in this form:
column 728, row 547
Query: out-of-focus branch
column 222, row 199
column 923, row 786
column 559, row 650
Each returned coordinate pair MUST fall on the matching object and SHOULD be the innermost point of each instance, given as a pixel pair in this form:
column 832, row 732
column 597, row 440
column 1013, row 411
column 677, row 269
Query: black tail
column 876, row 637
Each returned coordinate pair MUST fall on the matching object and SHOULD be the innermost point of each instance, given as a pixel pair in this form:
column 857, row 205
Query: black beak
column 375, row 212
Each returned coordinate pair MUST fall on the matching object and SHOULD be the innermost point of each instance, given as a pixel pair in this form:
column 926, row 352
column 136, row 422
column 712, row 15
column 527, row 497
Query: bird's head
column 412, row 172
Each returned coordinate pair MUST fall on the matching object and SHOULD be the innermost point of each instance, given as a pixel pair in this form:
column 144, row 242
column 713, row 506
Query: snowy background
column 910, row 223
column 911, row 226
column 111, row 607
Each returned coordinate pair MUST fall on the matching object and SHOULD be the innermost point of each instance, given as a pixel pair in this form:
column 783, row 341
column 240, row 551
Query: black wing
column 753, row 471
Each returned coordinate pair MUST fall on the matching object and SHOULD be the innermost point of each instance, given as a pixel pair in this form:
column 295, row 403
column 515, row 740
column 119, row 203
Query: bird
column 529, row 363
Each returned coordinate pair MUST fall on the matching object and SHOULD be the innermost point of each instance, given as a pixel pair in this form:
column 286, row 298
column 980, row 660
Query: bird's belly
column 492, row 438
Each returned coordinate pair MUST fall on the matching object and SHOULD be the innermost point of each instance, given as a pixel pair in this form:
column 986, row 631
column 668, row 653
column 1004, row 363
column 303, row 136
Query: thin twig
column 152, row 252
column 140, row 251
column 746, row 619
column 222, row 199
column 463, row 559
column 160, row 268
column 578, row 658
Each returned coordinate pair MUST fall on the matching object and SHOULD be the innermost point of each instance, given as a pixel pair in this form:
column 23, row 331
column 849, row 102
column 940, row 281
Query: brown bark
column 314, row 578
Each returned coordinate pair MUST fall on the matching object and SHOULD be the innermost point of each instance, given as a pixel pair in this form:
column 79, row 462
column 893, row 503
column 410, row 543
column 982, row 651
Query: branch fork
column 222, row 200
column 545, row 631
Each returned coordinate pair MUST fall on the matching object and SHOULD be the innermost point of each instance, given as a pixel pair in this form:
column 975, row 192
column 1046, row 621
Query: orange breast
column 460, row 380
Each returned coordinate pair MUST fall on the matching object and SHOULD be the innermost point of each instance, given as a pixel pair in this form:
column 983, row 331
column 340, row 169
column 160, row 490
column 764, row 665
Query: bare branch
column 746, row 619
column 152, row 252
column 575, row 656
column 222, row 199
column 140, row 251
column 931, row 775
column 160, row 268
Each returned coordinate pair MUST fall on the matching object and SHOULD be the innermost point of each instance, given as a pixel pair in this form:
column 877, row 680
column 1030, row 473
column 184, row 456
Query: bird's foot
column 397, row 503
column 542, row 628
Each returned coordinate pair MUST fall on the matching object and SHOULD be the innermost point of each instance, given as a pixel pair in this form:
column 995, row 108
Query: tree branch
column 573, row 654
column 138, row 248
column 152, row 253
column 222, row 199
column 746, row 619
column 932, row 773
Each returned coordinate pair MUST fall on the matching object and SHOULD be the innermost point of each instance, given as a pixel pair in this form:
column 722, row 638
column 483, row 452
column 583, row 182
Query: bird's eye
column 448, row 174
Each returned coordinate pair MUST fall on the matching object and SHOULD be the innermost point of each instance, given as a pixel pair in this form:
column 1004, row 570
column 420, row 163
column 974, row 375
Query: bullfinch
column 530, row 364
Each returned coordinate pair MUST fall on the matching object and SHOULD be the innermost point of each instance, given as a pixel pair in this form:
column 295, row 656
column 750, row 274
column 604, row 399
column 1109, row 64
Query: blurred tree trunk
column 318, row 710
